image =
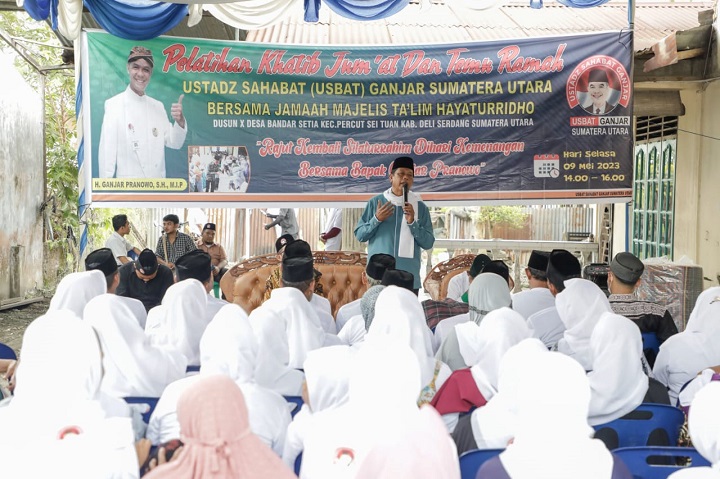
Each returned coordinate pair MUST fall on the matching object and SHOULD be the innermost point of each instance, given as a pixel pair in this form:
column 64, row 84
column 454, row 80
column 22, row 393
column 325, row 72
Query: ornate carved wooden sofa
column 437, row 281
column 341, row 278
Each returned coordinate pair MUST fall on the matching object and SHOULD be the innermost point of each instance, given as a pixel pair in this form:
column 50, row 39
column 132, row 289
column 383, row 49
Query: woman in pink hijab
column 216, row 435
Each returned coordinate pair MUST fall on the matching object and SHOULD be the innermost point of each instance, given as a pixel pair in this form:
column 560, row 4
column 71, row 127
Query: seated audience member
column 384, row 386
column 704, row 424
column 198, row 265
column 499, row 267
column 76, row 289
column 217, row 437
column 399, row 317
column 482, row 347
column 685, row 354
column 372, row 276
column 546, row 323
column 287, row 328
column 281, row 246
column 103, row 260
column 145, row 280
column 623, row 280
column 617, row 380
column 580, row 306
column 180, row 321
column 117, row 243
column 538, row 297
column 326, row 388
column 488, row 292
column 460, row 283
column 553, row 438
column 217, row 253
column 227, row 347
column 424, row 450
column 494, row 425
column 132, row 365
column 55, row 425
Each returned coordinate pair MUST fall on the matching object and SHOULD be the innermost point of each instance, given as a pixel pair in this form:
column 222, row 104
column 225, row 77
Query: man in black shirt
column 145, row 280
column 623, row 279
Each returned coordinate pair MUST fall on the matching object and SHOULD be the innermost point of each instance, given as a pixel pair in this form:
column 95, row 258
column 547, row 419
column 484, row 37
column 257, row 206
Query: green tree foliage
column 488, row 216
column 57, row 87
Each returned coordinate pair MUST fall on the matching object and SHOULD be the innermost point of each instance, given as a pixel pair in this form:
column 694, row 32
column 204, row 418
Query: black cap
column 209, row 226
column 564, row 264
column 377, row 264
column 297, row 269
column 195, row 264
column 478, row 264
column 101, row 259
column 283, row 241
column 403, row 162
column 627, row 267
column 297, row 249
column 598, row 75
column 498, row 267
column 398, row 277
column 147, row 262
column 538, row 260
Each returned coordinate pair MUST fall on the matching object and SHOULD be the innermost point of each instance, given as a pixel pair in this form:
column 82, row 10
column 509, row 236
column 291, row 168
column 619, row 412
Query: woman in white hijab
column 494, row 425
column 399, row 316
column 327, row 376
column 553, row 438
column 76, row 289
column 482, row 346
column 617, row 380
column 384, row 382
column 55, row 419
column 580, row 306
column 182, row 319
column 133, row 366
column 704, row 425
column 227, row 347
column 488, row 292
column 684, row 355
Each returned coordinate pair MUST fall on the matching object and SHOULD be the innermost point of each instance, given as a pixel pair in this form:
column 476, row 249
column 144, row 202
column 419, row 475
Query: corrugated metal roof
column 449, row 21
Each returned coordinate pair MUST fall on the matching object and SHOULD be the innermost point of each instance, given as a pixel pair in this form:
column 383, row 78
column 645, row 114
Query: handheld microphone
column 405, row 192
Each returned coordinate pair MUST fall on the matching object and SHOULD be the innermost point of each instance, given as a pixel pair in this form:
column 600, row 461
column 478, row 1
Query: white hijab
column 699, row 322
column 552, row 423
column 181, row 321
column 76, row 289
column 58, row 384
column 704, row 424
column 488, row 291
column 494, row 424
column 399, row 316
column 617, row 380
column 580, row 306
column 228, row 345
column 298, row 321
column 133, row 366
column 328, row 377
column 384, row 384
column 482, row 347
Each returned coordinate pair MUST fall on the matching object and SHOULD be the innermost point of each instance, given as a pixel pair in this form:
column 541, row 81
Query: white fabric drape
column 70, row 18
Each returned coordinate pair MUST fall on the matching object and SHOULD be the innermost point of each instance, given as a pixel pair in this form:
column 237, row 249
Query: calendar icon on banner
column 546, row 166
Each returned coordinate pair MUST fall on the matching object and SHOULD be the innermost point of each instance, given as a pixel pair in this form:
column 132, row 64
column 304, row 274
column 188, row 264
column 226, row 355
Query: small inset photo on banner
column 221, row 169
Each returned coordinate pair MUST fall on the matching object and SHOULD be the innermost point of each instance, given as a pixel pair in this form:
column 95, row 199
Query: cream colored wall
column 707, row 194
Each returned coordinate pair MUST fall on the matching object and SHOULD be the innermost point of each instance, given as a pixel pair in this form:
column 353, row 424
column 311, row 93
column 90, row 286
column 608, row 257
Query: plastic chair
column 651, row 341
column 652, row 462
column 216, row 289
column 470, row 461
column 296, row 401
column 635, row 428
column 6, row 352
column 149, row 404
column 192, row 369
column 298, row 464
